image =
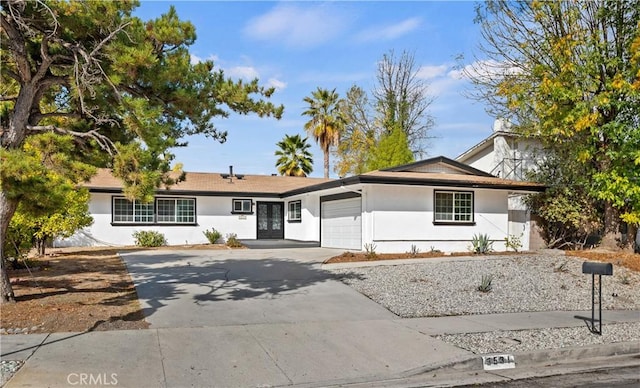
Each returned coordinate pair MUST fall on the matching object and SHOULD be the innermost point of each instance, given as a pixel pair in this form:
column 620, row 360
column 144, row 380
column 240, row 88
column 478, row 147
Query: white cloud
column 276, row 83
column 429, row 72
column 444, row 85
column 244, row 72
column 196, row 59
column 484, row 70
column 298, row 26
column 389, row 32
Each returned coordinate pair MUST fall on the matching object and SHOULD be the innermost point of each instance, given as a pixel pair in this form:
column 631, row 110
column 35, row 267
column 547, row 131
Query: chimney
column 230, row 170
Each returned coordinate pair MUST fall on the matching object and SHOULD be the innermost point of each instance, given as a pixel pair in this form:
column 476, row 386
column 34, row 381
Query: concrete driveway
column 181, row 289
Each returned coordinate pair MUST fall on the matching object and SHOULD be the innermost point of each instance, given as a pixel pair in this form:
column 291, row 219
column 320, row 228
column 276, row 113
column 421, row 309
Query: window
column 241, row 206
column 162, row 211
column 176, row 210
column 455, row 207
column 126, row 211
column 295, row 211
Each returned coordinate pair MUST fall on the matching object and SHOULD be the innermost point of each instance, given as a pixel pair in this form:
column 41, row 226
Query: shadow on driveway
column 200, row 290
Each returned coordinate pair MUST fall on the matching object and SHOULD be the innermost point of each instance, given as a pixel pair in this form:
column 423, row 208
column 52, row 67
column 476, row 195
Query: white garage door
column 341, row 225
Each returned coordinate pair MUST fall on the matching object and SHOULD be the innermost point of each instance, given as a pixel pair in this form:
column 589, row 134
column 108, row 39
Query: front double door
column 270, row 220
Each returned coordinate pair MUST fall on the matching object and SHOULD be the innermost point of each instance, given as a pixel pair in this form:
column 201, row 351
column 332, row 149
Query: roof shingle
column 214, row 183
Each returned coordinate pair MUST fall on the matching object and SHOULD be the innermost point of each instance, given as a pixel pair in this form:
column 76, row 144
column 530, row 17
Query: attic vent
column 230, row 175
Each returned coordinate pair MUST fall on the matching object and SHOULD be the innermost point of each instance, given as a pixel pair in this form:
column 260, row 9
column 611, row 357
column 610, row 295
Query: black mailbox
column 597, row 268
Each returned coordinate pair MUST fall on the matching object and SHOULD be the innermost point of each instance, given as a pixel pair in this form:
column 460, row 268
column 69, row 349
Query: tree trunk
column 40, row 245
column 326, row 164
column 7, row 208
column 632, row 232
column 611, row 237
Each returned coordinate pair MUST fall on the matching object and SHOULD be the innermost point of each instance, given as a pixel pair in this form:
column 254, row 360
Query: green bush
column 212, row 235
column 513, row 242
column 481, row 244
column 149, row 238
column 232, row 241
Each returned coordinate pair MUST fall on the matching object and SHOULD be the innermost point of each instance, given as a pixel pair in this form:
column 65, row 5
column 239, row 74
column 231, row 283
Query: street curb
column 467, row 370
column 540, row 357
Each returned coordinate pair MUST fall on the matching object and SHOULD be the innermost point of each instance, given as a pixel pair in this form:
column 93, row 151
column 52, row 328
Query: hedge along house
column 433, row 204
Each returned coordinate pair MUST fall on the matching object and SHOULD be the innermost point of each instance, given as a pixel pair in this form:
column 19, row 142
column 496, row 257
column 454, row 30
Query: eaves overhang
column 481, row 182
column 111, row 190
column 387, row 180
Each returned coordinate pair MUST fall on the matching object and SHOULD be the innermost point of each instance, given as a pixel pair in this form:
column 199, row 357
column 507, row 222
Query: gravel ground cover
column 529, row 340
column 8, row 369
column 520, row 283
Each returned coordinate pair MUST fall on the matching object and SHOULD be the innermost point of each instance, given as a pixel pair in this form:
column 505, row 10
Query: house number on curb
column 498, row 361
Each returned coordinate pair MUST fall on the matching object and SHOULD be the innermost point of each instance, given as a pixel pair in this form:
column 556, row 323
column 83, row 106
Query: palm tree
column 294, row 156
column 326, row 121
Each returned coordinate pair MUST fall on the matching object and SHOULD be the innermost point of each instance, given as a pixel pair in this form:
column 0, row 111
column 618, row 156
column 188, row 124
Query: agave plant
column 481, row 244
column 485, row 283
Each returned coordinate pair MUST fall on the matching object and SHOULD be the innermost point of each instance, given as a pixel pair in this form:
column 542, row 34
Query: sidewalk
column 398, row 352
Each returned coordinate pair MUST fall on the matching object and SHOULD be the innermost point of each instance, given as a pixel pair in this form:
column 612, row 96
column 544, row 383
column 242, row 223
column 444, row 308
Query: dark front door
column 270, row 220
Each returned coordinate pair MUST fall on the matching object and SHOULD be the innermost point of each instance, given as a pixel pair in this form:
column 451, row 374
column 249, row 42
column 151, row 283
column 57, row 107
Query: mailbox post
column 594, row 268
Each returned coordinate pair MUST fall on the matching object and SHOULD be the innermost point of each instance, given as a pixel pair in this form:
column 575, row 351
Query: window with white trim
column 126, row 211
column 453, row 206
column 161, row 211
column 176, row 210
column 295, row 211
column 241, row 206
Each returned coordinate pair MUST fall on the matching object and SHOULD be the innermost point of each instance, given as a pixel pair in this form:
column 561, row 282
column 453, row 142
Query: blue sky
column 299, row 46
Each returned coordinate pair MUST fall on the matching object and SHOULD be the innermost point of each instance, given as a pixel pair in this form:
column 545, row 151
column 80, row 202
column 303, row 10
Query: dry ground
column 351, row 257
column 90, row 289
column 76, row 290
column 627, row 260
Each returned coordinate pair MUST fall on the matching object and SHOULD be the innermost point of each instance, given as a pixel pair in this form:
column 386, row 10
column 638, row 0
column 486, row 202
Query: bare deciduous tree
column 401, row 97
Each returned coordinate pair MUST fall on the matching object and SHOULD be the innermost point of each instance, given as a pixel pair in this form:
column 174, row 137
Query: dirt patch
column 78, row 289
column 74, row 290
column 627, row 260
column 351, row 257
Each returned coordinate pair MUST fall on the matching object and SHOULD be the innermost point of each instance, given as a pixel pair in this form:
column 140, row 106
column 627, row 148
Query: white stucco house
column 503, row 153
column 508, row 155
column 436, row 203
